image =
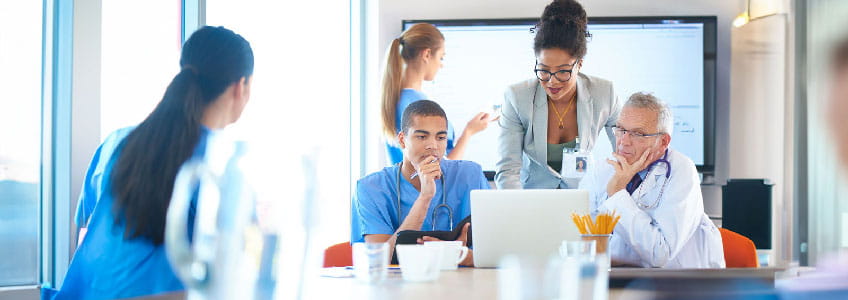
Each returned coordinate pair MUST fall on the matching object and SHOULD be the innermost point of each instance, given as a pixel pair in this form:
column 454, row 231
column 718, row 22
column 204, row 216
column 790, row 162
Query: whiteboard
column 663, row 57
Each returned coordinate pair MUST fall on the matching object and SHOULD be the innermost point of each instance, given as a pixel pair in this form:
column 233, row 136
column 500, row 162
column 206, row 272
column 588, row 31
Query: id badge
column 575, row 164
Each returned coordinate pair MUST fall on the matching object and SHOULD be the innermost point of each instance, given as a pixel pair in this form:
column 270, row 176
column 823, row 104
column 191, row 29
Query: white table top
column 464, row 283
column 475, row 283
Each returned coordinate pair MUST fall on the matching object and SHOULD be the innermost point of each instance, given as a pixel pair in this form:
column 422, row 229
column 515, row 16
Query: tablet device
column 411, row 236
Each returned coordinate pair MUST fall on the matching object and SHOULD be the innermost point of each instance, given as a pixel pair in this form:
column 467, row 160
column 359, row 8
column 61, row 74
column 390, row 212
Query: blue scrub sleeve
column 92, row 185
column 483, row 183
column 371, row 212
column 89, row 192
column 451, row 139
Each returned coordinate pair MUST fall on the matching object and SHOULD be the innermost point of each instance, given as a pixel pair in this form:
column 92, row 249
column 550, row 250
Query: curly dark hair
column 563, row 25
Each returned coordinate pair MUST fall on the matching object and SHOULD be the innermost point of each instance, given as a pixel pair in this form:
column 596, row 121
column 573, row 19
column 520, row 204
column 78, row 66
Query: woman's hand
column 478, row 123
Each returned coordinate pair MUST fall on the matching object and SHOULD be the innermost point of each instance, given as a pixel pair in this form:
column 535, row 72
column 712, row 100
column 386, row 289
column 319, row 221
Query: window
column 300, row 104
column 139, row 58
column 20, row 140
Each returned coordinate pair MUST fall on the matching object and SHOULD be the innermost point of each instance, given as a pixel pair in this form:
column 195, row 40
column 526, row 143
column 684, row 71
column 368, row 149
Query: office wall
column 760, row 115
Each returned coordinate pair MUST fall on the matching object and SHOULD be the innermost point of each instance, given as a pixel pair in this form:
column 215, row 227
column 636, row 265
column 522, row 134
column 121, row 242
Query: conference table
column 480, row 283
column 477, row 283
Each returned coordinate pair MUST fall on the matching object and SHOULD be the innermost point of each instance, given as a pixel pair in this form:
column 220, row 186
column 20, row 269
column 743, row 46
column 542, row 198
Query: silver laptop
column 530, row 223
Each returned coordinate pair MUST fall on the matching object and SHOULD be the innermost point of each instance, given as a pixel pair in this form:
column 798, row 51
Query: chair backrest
column 739, row 251
column 338, row 255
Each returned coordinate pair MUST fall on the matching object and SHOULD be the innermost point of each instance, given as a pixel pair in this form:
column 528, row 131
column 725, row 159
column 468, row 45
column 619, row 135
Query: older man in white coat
column 656, row 192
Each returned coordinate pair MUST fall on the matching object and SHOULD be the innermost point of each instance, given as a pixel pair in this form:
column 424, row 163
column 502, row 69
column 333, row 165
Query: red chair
column 338, row 255
column 739, row 251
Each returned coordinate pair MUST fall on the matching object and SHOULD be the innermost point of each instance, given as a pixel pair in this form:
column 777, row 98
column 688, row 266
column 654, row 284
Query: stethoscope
column 664, row 159
column 443, row 205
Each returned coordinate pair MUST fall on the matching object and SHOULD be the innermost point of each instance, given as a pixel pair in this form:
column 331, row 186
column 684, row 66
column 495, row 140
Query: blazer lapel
column 584, row 114
column 539, row 126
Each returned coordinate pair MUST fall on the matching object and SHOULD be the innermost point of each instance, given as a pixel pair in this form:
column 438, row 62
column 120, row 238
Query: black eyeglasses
column 561, row 75
column 545, row 75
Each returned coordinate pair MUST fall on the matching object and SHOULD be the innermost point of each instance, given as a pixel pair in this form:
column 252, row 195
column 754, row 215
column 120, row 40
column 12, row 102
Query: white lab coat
column 665, row 229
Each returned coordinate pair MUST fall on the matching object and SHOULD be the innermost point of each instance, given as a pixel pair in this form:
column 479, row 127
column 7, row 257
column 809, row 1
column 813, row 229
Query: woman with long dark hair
column 128, row 187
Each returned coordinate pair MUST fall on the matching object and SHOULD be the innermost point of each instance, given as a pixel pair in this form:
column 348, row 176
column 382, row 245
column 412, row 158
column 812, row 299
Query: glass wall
column 20, row 139
column 298, row 119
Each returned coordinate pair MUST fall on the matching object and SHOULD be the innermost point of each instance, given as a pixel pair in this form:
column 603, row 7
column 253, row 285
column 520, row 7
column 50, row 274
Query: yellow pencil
column 604, row 223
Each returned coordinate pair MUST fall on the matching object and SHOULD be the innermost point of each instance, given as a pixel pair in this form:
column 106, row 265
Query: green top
column 555, row 154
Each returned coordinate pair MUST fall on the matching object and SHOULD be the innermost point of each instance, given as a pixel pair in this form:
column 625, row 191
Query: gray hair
column 665, row 120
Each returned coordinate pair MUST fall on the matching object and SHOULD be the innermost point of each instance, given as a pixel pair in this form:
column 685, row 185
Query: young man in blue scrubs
column 405, row 196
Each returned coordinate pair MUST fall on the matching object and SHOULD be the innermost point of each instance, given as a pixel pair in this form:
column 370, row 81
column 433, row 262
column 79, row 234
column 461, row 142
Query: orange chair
column 739, row 251
column 338, row 255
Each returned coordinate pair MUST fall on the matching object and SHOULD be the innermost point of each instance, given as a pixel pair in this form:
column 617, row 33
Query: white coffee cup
column 418, row 262
column 453, row 252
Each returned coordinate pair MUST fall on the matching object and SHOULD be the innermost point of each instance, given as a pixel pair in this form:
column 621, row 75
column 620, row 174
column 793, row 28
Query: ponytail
column 402, row 50
column 149, row 157
column 391, row 88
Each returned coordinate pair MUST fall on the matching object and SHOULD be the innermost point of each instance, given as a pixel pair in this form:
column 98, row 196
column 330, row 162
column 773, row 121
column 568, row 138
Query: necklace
column 565, row 113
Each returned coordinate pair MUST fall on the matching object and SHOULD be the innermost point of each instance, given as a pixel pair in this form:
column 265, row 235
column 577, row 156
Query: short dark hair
column 563, row 25
column 421, row 108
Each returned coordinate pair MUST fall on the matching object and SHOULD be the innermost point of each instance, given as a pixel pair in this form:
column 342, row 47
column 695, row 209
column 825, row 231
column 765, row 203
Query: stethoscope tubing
column 664, row 159
column 444, row 203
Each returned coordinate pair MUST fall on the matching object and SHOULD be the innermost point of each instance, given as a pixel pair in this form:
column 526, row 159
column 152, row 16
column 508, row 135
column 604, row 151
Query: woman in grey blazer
column 544, row 115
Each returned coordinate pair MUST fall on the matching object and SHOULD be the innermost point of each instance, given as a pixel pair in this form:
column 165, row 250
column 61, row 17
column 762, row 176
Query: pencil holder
column 601, row 243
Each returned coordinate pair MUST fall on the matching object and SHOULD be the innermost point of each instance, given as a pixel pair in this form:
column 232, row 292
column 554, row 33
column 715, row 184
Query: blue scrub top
column 407, row 96
column 92, row 185
column 374, row 207
column 106, row 265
